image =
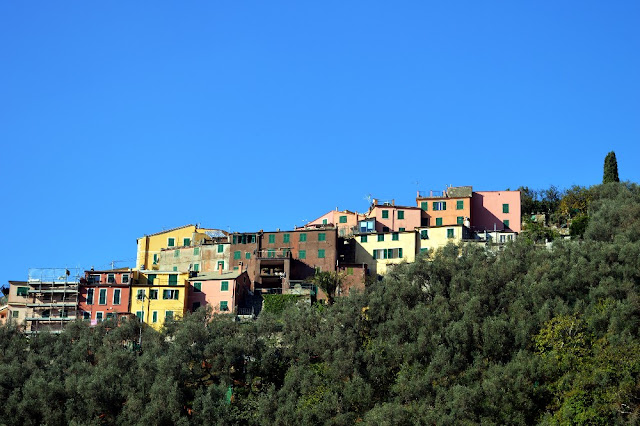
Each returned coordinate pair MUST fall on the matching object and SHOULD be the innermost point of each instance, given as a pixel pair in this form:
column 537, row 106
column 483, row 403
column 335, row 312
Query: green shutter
column 103, row 297
column 438, row 221
column 505, row 208
column 400, row 214
column 449, row 233
column 176, row 253
column 236, row 254
column 324, row 221
column 424, row 234
column 459, row 204
column 435, row 205
column 303, row 237
column 197, row 287
column 173, row 279
column 272, row 239
column 385, row 214
column 380, row 237
column 155, row 316
column 220, row 264
column 302, row 254
column 400, row 253
column 424, row 205
column 224, row 305
column 343, row 219
column 196, row 251
column 285, row 238
column 321, row 254
column 186, row 241
column 322, row 236
column 196, row 267
column 247, row 255
column 23, row 291
column 506, row 223
column 363, row 238
column 171, row 242
column 224, row 286
column 460, row 220
column 395, row 236
column 444, row 205
column 221, row 248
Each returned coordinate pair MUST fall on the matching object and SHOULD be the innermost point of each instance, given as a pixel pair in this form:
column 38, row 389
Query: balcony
column 51, row 319
column 432, row 194
column 66, row 289
column 274, row 254
column 52, row 305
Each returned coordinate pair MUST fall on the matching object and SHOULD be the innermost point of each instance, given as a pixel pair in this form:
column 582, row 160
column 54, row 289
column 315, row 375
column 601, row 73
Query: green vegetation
column 528, row 336
column 610, row 168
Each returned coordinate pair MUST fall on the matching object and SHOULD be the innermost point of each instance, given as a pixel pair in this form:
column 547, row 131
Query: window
column 197, row 287
column 502, row 239
column 224, row 286
column 376, row 254
column 286, row 252
column 151, row 278
column 424, row 205
column 16, row 314
column 170, row 294
column 236, row 254
column 424, row 250
column 506, row 223
column 343, row 219
column 224, row 305
column 196, row 251
column 385, row 229
column 140, row 295
column 111, row 278
column 196, row 267
column 196, row 305
column 460, row 220
column 247, row 255
column 221, row 248
column 109, row 315
column 438, row 221
column 168, row 315
column 116, row 296
column 363, row 238
column 176, row 253
column 400, row 253
column 505, row 208
column 380, row 237
column 285, row 238
column 155, row 258
column 302, row 254
column 125, row 278
column 424, row 234
column 324, row 221
column 459, row 204
column 23, row 291
column 439, row 205
column 322, row 236
column 321, row 254
column 303, row 237
column 271, row 253
column 387, row 253
column 171, row 242
column 86, row 315
column 140, row 315
column 235, row 239
column 450, row 233
column 153, row 294
column 400, row 214
column 272, row 239
column 186, row 241
column 401, row 229
column 173, row 279
column 385, row 214
column 99, row 316
column 395, row 236
column 154, row 316
column 175, row 269
column 90, row 296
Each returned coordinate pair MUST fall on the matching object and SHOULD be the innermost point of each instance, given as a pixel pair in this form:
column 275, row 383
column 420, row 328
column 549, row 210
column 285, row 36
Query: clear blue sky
column 123, row 118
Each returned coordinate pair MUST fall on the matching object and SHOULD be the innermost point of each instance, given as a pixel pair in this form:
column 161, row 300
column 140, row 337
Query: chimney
column 393, row 202
column 220, row 268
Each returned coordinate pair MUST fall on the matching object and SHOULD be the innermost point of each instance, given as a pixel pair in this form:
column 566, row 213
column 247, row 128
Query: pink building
column 495, row 210
column 392, row 218
column 104, row 294
column 223, row 291
column 344, row 221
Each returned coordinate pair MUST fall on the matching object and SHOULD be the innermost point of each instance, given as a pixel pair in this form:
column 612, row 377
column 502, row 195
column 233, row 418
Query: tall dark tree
column 610, row 168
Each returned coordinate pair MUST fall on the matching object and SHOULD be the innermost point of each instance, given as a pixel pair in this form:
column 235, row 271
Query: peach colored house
column 449, row 207
column 105, row 294
column 392, row 218
column 223, row 291
column 345, row 221
column 496, row 210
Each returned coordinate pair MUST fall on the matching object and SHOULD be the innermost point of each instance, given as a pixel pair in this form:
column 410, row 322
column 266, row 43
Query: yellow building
column 164, row 295
column 432, row 238
column 381, row 249
column 150, row 246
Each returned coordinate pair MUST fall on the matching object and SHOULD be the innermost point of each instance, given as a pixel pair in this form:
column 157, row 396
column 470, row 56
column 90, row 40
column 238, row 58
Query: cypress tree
column 610, row 168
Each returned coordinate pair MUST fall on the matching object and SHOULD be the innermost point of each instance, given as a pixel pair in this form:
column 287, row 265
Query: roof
column 103, row 271
column 230, row 275
column 168, row 230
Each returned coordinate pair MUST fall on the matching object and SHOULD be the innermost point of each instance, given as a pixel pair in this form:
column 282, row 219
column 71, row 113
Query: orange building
column 449, row 207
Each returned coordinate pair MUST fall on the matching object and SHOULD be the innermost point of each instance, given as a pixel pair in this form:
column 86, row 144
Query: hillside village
column 186, row 268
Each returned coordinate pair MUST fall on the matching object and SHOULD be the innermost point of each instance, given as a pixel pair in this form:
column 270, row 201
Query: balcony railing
column 432, row 194
column 66, row 289
column 52, row 305
column 274, row 254
column 51, row 319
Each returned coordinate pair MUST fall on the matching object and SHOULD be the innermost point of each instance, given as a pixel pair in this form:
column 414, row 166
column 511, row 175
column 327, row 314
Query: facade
column 496, row 211
column 380, row 250
column 354, row 277
column 432, row 238
column 242, row 252
column 159, row 295
column 205, row 257
column 222, row 291
column 150, row 246
column 17, row 300
column 392, row 218
column 450, row 207
column 52, row 299
column 345, row 221
column 105, row 294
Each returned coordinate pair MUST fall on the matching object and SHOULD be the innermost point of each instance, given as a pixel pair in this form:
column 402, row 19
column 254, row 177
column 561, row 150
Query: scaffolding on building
column 53, row 300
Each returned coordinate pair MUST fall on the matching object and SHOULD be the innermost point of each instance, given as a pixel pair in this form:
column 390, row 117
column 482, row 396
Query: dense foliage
column 610, row 168
column 530, row 335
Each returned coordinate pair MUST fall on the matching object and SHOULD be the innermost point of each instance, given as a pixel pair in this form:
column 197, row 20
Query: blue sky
column 119, row 119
